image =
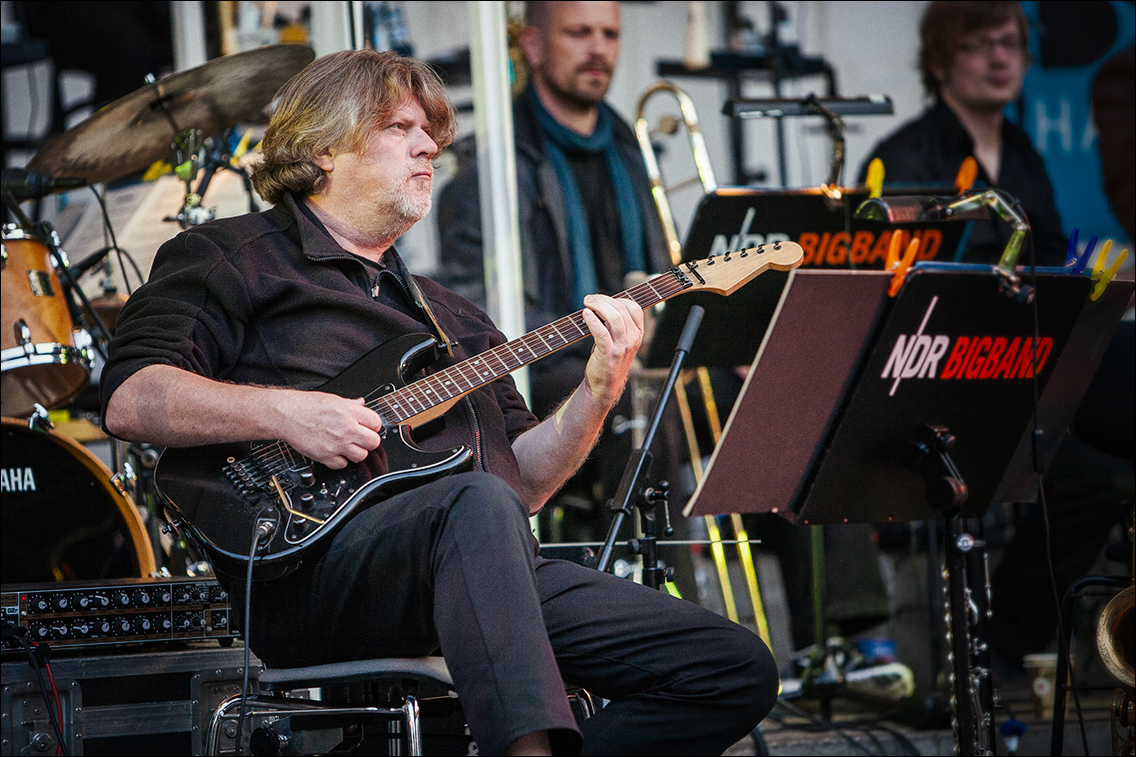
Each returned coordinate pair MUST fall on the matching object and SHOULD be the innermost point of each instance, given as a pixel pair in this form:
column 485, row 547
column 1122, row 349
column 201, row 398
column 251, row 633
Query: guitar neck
column 462, row 378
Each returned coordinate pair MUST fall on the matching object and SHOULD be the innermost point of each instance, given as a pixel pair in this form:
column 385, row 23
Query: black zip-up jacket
column 547, row 271
column 271, row 299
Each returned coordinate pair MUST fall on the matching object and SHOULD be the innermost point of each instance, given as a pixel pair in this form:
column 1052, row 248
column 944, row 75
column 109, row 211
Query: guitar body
column 218, row 493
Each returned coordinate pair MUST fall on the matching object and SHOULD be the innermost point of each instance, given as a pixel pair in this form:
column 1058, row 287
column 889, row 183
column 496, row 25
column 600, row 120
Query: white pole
column 188, row 22
column 331, row 27
column 497, row 172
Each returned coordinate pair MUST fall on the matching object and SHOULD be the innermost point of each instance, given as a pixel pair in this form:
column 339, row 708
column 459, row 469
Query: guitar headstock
column 727, row 273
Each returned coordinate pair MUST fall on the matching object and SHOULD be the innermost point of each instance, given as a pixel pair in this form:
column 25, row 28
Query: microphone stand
column 632, row 489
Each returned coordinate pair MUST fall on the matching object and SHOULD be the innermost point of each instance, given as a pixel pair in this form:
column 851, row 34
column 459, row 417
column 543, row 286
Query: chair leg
column 413, row 725
column 261, row 706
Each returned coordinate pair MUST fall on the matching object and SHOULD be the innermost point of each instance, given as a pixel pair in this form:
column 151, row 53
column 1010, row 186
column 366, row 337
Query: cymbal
column 136, row 130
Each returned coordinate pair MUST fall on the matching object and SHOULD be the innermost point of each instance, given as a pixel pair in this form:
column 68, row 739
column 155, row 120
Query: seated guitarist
column 243, row 319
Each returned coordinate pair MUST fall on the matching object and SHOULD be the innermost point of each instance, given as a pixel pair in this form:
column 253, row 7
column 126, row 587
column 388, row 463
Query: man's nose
column 424, row 145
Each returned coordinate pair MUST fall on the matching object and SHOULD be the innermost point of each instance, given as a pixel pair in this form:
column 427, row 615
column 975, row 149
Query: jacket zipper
column 476, row 433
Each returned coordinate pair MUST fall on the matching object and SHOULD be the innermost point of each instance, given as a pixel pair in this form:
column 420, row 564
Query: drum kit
column 64, row 515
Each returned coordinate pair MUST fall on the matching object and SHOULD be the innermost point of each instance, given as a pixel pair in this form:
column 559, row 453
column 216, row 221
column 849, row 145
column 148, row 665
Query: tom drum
column 43, row 357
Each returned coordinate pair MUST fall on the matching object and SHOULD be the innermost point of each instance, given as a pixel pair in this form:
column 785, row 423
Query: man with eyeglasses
column 973, row 59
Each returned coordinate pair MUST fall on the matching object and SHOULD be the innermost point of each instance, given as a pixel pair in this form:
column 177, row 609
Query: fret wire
column 540, row 336
column 414, row 395
column 551, row 329
column 502, row 355
column 577, row 320
column 507, row 357
column 555, row 326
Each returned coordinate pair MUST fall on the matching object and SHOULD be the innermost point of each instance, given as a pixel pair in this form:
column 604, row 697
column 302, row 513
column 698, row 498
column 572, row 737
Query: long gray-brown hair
column 334, row 104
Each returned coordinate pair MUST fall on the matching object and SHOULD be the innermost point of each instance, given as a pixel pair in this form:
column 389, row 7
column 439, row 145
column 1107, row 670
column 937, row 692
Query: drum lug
column 124, row 481
column 40, row 419
column 23, row 335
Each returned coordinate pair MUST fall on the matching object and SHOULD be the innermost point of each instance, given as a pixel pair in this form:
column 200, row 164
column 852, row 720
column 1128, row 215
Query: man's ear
column 938, row 73
column 324, row 161
column 532, row 45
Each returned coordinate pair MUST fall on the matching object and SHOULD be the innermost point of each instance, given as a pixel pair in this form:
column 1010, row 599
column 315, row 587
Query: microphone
column 89, row 262
column 35, row 184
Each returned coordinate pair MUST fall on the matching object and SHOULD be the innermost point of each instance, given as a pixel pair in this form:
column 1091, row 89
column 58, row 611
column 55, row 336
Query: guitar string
column 645, row 295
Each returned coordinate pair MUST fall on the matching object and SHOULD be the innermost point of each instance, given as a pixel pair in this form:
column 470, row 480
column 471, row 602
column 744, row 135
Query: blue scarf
column 560, row 142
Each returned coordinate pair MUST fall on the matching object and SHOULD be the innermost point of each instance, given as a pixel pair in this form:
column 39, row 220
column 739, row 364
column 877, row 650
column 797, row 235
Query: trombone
column 668, row 125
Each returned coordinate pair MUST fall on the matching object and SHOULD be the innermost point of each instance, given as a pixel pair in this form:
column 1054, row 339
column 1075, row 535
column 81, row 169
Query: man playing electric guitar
column 244, row 318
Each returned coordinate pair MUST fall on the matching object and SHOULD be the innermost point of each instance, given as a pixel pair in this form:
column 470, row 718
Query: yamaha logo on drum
column 17, row 480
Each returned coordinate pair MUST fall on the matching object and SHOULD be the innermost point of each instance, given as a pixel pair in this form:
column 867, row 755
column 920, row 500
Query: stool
column 356, row 698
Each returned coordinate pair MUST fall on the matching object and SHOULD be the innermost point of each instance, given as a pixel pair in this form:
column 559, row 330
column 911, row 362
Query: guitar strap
column 420, row 300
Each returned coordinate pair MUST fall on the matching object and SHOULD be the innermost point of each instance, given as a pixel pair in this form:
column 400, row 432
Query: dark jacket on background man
column 546, row 260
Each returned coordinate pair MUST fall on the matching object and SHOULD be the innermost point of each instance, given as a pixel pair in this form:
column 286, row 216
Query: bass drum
column 61, row 519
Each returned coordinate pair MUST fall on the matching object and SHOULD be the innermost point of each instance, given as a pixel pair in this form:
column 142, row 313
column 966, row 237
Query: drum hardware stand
column 187, row 144
column 210, row 154
column 218, row 156
column 632, row 490
column 967, row 605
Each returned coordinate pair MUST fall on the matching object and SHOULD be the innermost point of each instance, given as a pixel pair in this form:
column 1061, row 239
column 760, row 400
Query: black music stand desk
column 824, row 430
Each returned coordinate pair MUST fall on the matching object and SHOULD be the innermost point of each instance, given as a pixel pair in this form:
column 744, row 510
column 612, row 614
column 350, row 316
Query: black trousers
column 452, row 567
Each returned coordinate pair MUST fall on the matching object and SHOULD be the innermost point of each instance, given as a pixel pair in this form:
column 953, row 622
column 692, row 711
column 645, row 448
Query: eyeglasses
column 1011, row 43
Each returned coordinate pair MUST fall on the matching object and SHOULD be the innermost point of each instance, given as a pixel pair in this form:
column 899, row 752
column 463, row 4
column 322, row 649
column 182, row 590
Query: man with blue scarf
column 586, row 215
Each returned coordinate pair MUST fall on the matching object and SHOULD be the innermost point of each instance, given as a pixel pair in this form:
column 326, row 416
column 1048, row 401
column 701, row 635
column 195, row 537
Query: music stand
column 817, row 434
column 847, row 385
column 735, row 218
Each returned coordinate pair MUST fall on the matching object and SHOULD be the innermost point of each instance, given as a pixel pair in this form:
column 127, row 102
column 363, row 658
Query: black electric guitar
column 219, row 494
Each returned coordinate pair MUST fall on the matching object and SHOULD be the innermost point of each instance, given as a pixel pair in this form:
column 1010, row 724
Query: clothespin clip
column 894, row 246
column 901, row 269
column 875, row 180
column 1103, row 276
column 1088, row 253
column 1071, row 253
column 968, row 172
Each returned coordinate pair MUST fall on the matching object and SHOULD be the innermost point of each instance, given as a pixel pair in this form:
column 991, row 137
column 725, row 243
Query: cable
column 107, row 227
column 827, row 725
column 55, row 694
column 34, row 652
column 1039, row 461
column 261, row 529
column 905, row 743
column 137, row 272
